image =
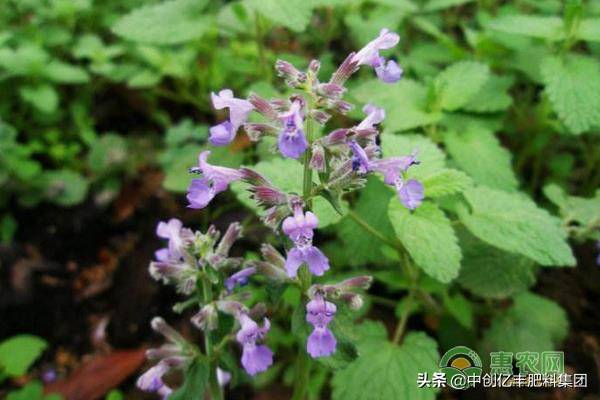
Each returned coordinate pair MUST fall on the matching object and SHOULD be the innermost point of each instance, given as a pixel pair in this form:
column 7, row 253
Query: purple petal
column 292, row 145
column 239, row 109
column 151, row 380
column 389, row 72
column 375, row 115
column 200, row 193
column 317, row 262
column 385, row 40
column 256, row 359
column 162, row 255
column 360, row 160
column 320, row 312
column 294, row 259
column 240, row 278
column 321, row 343
column 222, row 134
column 411, row 193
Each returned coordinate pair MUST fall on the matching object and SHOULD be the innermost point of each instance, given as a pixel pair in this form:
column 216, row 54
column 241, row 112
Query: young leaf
column 427, row 235
column 292, row 14
column 573, row 86
column 405, row 103
column 446, row 182
column 479, row 153
column 514, row 223
column 489, row 272
column 458, row 83
column 169, row 22
column 43, row 97
column 196, row 382
column 387, row 371
column 533, row 323
column 543, row 27
column 18, row 353
column 492, row 96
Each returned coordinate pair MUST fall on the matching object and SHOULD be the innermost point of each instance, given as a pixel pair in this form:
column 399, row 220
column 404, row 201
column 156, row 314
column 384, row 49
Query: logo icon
column 461, row 365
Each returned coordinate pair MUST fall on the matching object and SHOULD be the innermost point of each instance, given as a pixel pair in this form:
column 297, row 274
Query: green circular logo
column 458, row 364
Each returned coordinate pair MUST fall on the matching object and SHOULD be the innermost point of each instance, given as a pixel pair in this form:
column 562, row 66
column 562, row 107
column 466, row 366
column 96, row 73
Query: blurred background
column 105, row 104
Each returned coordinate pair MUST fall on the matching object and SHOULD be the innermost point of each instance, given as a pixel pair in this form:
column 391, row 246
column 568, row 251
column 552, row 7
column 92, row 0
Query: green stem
column 307, row 176
column 264, row 68
column 401, row 327
column 215, row 389
column 302, row 375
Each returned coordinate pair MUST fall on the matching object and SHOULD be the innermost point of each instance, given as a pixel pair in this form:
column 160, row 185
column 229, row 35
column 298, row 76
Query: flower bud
column 320, row 116
column 233, row 233
column 161, row 326
column 345, row 70
column 231, row 307
column 354, row 301
column 263, row 106
column 256, row 131
column 207, row 318
column 314, row 66
column 331, row 90
column 317, row 161
column 271, row 254
column 293, row 77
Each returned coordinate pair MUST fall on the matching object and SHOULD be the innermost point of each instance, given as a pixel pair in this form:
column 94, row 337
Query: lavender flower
column 389, row 71
column 292, row 142
column 255, row 358
column 223, row 377
column 239, row 109
column 178, row 237
column 410, row 193
column 300, row 225
column 319, row 313
column 214, row 181
column 240, row 278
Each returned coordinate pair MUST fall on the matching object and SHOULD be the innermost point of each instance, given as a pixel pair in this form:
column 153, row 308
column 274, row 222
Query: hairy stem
column 215, row 389
column 307, row 176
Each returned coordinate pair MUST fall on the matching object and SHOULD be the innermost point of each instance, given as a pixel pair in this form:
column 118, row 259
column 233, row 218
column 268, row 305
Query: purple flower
column 375, row 115
column 151, row 380
column 255, row 358
column 223, row 377
column 178, row 238
column 291, row 142
column 389, row 71
column 214, row 180
column 319, row 313
column 239, row 109
column 306, row 253
column 410, row 193
column 300, row 225
column 240, row 278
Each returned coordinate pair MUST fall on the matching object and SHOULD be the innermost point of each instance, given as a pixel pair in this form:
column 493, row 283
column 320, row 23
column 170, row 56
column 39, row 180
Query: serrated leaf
column 435, row 5
column 287, row 175
column 479, row 153
column 489, row 272
column 431, row 158
column 492, row 96
column 427, row 235
column 388, row 371
column 196, row 381
column 460, row 308
column 292, row 14
column 169, row 22
column 533, row 323
column 514, row 223
column 589, row 29
column 458, row 83
column 446, row 182
column 365, row 247
column 543, row 27
column 405, row 103
column 584, row 211
column 18, row 353
column 573, row 87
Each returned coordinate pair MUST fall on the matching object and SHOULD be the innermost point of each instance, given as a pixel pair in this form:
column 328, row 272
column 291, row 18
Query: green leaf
column 8, row 227
column 43, row 97
column 427, row 235
column 64, row 187
column 533, row 323
column 431, row 157
column 114, row 395
column 196, row 382
column 478, row 152
column 169, row 22
column 18, row 353
column 435, row 5
column 32, row 391
column 58, row 71
column 446, row 182
column 589, row 29
column 583, row 211
column 387, row 371
column 287, row 175
column 292, row 14
column 573, row 87
column 460, row 308
column 514, row 223
column 405, row 103
column 371, row 208
column 543, row 27
column 493, row 96
column 185, row 131
column 490, row 272
column 107, row 152
column 458, row 83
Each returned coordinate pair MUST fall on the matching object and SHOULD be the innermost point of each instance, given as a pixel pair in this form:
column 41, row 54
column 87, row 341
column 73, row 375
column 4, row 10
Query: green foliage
column 446, row 182
column 543, row 27
column 18, row 353
column 458, row 83
column 292, row 14
column 512, row 222
column 169, row 22
column 573, row 86
column 427, row 235
column 195, row 381
column 387, row 371
column 34, row 390
column 533, row 323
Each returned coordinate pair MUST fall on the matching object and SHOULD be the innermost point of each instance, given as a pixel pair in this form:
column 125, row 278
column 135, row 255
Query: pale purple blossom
column 387, row 71
column 240, row 278
column 307, row 254
column 300, row 225
column 239, row 109
column 319, row 313
column 215, row 179
column 375, row 115
column 255, row 358
column 410, row 193
column 178, row 236
column 223, row 377
column 292, row 143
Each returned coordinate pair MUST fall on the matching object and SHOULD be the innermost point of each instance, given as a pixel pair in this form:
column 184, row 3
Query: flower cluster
column 199, row 265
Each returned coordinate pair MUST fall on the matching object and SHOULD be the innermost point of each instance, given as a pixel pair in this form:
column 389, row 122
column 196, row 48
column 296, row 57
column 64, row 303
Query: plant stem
column 265, row 70
column 401, row 327
column 214, row 387
column 365, row 225
column 302, row 375
column 307, row 175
